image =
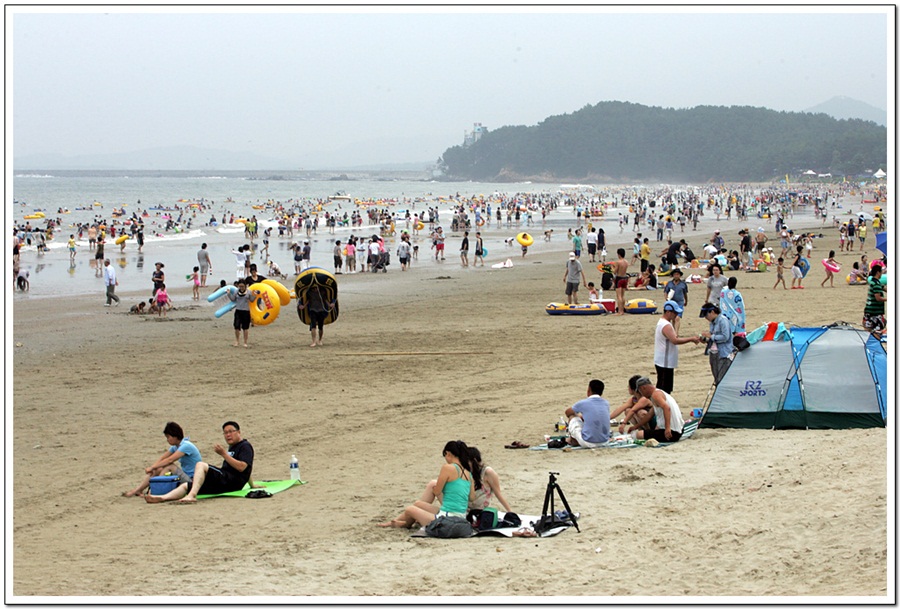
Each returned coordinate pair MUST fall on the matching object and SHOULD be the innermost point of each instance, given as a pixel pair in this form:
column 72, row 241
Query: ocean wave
column 183, row 236
column 33, row 175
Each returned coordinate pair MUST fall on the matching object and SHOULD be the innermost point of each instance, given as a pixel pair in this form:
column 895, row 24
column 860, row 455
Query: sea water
column 90, row 195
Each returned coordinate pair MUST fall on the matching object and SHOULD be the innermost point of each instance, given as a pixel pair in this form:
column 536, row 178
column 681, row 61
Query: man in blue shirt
column 181, row 450
column 589, row 418
column 677, row 290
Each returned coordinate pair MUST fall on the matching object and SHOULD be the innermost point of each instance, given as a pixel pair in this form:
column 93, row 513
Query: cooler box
column 608, row 304
column 160, row 485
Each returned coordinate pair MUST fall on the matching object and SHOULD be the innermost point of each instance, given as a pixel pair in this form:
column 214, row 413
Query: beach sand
column 417, row 359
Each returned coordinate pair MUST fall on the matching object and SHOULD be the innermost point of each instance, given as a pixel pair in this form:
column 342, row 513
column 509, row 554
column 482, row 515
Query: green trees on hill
column 622, row 141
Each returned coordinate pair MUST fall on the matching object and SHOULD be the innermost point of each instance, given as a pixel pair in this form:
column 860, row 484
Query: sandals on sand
column 516, row 444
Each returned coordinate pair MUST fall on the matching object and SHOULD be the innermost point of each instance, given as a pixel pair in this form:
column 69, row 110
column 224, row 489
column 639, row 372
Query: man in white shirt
column 591, row 240
column 109, row 278
column 239, row 260
column 669, row 421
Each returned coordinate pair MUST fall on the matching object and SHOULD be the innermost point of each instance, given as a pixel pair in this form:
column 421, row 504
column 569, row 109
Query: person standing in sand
column 318, row 310
column 715, row 284
column 677, row 291
column 620, row 270
column 666, row 341
column 210, row 480
column 572, row 277
column 464, row 250
column 873, row 313
column 242, row 299
column 797, row 271
column 205, row 264
column 181, row 450
column 719, row 338
column 158, row 277
column 109, row 278
column 479, row 250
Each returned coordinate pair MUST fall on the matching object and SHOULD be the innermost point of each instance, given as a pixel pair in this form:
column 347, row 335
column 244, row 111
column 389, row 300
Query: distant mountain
column 165, row 158
column 842, row 107
column 622, row 142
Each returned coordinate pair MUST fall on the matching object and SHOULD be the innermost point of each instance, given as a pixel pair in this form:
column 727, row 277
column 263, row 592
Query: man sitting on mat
column 636, row 410
column 666, row 411
column 589, row 418
column 211, row 480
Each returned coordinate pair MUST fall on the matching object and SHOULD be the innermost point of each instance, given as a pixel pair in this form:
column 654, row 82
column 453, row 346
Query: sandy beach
column 417, row 359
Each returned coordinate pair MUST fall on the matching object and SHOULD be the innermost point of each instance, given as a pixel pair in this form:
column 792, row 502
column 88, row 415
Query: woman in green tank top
column 454, row 484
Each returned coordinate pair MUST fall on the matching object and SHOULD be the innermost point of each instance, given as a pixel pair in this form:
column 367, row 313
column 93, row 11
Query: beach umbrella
column 881, row 242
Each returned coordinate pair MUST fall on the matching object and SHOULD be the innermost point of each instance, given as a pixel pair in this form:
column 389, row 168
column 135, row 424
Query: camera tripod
column 549, row 518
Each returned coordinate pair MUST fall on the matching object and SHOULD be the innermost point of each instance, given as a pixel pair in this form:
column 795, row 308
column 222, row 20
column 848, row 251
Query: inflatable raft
column 558, row 308
column 640, row 306
column 315, row 277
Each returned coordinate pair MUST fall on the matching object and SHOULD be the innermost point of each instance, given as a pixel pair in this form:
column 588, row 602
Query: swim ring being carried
column 525, row 240
column 264, row 310
column 833, row 267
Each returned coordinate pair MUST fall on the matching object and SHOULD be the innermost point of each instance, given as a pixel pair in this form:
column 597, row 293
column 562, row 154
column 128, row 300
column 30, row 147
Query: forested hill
column 621, row 141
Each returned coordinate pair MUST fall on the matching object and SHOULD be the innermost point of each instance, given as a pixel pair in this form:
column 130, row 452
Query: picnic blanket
column 273, row 486
column 687, row 431
column 527, row 523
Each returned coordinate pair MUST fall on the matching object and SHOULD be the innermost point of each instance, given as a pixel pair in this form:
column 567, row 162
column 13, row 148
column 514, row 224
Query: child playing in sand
column 780, row 277
column 195, row 277
column 138, row 308
column 593, row 294
column 274, row 269
column 162, row 300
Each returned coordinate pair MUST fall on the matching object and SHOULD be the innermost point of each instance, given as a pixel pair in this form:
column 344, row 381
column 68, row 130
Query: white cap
column 571, row 255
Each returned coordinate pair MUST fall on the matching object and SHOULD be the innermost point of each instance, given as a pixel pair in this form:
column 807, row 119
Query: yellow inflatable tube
column 122, row 239
column 525, row 240
column 264, row 310
column 283, row 294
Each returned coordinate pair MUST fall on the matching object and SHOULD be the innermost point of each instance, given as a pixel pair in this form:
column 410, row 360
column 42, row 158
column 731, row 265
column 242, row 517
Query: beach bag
column 606, row 281
column 510, row 519
column 449, row 527
column 487, row 519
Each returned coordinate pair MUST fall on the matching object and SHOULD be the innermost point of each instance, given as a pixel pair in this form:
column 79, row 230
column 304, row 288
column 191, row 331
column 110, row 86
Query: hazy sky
column 395, row 85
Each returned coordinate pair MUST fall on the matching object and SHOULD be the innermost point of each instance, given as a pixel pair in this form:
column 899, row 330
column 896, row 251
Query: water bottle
column 295, row 468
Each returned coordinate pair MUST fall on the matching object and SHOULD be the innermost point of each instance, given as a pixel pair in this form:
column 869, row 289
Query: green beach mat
column 273, row 486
